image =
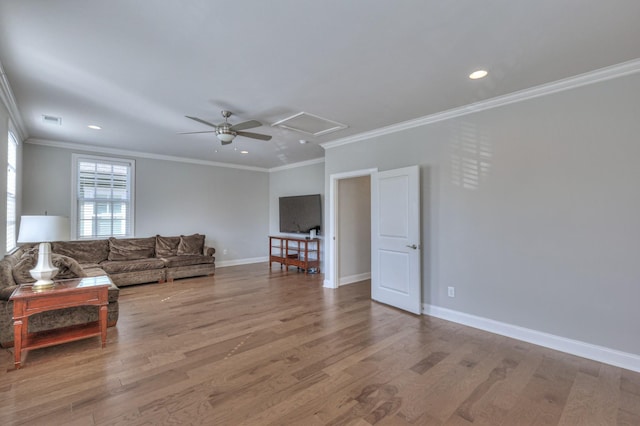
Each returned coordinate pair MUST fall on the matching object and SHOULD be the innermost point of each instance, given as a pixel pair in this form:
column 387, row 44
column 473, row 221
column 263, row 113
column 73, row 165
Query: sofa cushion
column 131, row 248
column 93, row 251
column 114, row 292
column 186, row 260
column 6, row 271
column 67, row 267
column 191, row 244
column 6, row 292
column 87, row 266
column 166, row 246
column 120, row 266
column 93, row 270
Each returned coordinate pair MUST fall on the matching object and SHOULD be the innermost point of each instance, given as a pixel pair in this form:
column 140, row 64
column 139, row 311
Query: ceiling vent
column 50, row 119
column 310, row 124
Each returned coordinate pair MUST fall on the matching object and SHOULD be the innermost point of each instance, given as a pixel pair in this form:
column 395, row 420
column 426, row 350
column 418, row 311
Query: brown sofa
column 127, row 261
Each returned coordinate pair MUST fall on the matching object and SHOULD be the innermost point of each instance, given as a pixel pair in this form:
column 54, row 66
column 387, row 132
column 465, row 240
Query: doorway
column 337, row 270
column 395, row 246
column 353, row 230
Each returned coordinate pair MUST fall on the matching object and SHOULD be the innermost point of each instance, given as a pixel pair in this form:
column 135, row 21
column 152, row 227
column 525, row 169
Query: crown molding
column 127, row 153
column 9, row 101
column 296, row 165
column 592, row 77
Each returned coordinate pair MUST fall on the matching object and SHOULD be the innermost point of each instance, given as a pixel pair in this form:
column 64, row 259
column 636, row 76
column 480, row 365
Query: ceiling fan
column 226, row 131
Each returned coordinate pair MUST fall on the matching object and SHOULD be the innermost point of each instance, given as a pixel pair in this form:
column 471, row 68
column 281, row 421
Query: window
column 12, row 164
column 103, row 197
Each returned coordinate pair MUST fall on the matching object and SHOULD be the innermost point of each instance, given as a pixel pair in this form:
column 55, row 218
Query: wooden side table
column 301, row 252
column 92, row 291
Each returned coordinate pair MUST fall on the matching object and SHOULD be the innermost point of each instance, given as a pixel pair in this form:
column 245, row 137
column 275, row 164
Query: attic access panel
column 310, row 124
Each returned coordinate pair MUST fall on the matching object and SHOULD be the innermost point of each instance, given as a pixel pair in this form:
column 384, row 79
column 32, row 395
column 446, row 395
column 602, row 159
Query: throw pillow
column 191, row 244
column 167, row 246
column 67, row 267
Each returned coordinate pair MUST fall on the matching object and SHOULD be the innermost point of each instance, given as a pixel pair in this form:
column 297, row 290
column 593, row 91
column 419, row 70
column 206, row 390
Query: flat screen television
column 300, row 214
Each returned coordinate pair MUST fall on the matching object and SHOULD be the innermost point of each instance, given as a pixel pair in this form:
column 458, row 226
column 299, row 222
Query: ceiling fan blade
column 200, row 120
column 254, row 136
column 191, row 133
column 246, row 125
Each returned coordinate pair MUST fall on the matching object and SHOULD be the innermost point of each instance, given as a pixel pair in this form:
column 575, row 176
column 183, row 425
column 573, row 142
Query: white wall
column 545, row 234
column 227, row 205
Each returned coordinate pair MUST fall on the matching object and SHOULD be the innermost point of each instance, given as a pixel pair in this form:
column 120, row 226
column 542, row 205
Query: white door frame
column 331, row 278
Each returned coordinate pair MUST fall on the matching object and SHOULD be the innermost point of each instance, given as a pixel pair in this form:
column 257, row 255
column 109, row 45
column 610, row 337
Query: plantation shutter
column 104, row 198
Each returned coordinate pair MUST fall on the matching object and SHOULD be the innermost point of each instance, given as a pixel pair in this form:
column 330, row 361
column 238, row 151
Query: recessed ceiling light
column 303, row 141
column 244, row 152
column 94, row 127
column 478, row 74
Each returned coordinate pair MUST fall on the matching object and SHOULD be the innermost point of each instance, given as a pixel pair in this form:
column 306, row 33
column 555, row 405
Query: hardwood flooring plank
column 592, row 399
column 254, row 346
column 543, row 399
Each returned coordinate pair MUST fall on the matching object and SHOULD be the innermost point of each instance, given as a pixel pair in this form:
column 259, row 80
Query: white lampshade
column 38, row 229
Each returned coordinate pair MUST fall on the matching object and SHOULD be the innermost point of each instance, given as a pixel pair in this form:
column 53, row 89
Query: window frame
column 13, row 239
column 75, row 160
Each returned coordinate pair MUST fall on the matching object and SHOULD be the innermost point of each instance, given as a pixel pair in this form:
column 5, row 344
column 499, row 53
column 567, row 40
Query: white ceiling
column 136, row 68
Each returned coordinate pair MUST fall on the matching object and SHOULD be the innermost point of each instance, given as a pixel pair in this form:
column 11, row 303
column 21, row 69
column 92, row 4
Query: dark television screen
column 300, row 214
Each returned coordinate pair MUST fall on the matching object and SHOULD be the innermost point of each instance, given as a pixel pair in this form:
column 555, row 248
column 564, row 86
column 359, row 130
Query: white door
column 395, row 238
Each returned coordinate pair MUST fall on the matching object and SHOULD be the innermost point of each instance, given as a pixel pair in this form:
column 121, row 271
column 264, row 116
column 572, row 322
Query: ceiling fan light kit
column 226, row 132
column 225, row 136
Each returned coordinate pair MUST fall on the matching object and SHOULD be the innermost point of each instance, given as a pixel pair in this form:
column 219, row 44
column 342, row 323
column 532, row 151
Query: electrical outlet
column 451, row 291
column 225, row 251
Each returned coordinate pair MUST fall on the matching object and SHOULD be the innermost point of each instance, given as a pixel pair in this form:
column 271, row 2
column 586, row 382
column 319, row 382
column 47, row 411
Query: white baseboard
column 234, row 262
column 355, row 278
column 575, row 347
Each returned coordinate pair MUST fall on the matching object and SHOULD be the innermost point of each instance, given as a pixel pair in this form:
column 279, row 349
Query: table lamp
column 43, row 229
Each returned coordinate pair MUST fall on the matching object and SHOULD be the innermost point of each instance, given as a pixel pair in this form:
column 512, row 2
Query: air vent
column 310, row 124
column 51, row 119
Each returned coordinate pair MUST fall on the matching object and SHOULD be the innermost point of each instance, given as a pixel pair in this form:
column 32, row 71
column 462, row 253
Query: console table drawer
column 69, row 300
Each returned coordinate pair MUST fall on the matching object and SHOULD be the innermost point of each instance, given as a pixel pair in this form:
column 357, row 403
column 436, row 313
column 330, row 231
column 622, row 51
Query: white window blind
column 104, row 197
column 12, row 164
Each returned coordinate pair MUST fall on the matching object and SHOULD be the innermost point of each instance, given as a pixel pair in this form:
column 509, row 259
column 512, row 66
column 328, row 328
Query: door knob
column 412, row 246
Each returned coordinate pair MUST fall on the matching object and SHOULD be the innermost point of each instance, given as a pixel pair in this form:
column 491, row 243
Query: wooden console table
column 300, row 252
column 92, row 291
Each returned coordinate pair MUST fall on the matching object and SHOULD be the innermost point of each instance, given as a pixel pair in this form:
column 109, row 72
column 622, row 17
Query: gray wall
column 172, row 198
column 354, row 229
column 530, row 210
column 303, row 180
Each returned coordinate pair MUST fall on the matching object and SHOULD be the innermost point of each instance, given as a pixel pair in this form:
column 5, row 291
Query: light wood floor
column 254, row 347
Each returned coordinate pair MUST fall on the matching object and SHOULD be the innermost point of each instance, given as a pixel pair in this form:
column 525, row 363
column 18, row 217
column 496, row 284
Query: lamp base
column 44, row 271
column 42, row 285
